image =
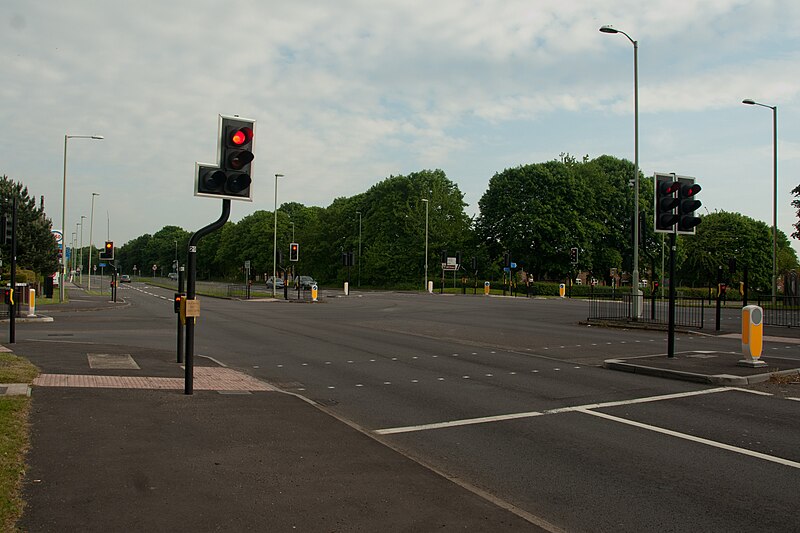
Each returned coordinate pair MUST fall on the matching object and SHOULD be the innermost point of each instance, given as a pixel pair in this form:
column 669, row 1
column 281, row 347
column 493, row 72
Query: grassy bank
column 14, row 438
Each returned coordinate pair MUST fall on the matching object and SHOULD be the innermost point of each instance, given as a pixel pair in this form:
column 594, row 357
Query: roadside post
column 314, row 292
column 562, row 289
column 752, row 336
column 487, row 287
column 31, row 302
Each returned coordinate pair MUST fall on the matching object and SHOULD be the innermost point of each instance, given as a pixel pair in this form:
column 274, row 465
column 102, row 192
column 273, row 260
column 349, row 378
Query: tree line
column 535, row 212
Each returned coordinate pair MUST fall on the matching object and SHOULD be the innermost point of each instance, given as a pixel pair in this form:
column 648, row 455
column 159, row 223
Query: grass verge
column 14, row 438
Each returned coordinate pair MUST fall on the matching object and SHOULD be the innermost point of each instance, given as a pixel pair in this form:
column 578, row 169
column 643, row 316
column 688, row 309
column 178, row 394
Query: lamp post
column 635, row 274
column 275, row 239
column 774, row 108
column 77, row 225
column 91, row 227
column 426, row 243
column 64, row 208
column 74, row 243
column 82, row 224
column 359, row 248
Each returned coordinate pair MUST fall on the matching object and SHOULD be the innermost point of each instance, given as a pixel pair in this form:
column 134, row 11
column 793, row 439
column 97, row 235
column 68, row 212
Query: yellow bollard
column 31, row 302
column 562, row 289
column 752, row 336
column 315, row 291
column 486, row 287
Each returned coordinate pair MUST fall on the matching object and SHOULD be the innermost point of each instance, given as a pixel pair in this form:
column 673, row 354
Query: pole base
column 751, row 363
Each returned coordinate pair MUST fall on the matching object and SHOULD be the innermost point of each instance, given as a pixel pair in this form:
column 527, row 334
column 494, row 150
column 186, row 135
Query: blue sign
column 506, row 269
column 103, row 265
column 513, row 265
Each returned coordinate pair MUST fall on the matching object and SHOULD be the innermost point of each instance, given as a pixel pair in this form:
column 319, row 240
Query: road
column 507, row 396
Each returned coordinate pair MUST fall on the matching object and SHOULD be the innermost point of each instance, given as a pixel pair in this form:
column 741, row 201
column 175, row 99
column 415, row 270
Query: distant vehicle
column 278, row 284
column 306, row 282
column 124, row 278
column 172, row 275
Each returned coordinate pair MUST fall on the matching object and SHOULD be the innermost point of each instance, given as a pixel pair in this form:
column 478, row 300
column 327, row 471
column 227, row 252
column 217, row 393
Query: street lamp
column 74, row 245
column 635, row 274
column 426, row 242
column 82, row 224
column 91, row 227
column 275, row 239
column 64, row 208
column 359, row 248
column 774, row 108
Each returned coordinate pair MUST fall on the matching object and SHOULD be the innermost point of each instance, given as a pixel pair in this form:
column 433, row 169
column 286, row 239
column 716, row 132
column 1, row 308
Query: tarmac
column 116, row 445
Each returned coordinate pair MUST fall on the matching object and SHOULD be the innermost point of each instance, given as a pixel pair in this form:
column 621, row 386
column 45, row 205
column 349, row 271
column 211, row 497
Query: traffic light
column 507, row 260
column 294, row 252
column 443, row 257
column 573, row 256
column 474, row 264
column 8, row 296
column 458, row 258
column 107, row 253
column 231, row 177
column 177, row 301
column 280, row 257
column 688, row 205
column 7, row 228
column 666, row 201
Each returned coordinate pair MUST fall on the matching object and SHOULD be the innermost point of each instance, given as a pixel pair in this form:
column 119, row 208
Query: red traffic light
column 687, row 191
column 241, row 136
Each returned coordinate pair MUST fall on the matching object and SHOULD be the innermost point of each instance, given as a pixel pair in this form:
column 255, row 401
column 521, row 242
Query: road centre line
column 531, row 414
column 692, row 438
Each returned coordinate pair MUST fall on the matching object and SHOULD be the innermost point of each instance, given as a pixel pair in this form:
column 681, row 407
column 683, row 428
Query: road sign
column 58, row 236
column 247, row 265
column 155, row 267
column 103, row 265
column 513, row 265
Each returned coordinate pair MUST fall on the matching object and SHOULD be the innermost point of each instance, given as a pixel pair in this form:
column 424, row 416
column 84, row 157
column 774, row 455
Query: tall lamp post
column 635, row 274
column 82, row 224
column 426, row 242
column 275, row 239
column 774, row 108
column 64, row 208
column 359, row 248
column 74, row 245
column 91, row 227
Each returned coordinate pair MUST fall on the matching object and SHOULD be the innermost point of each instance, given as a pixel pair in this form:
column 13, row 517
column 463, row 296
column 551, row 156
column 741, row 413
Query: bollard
column 430, row 287
column 346, row 288
column 562, row 289
column 486, row 288
column 315, row 291
column 752, row 336
column 31, row 302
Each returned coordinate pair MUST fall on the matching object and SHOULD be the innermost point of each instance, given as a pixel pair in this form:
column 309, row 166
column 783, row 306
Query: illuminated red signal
column 294, row 252
column 241, row 136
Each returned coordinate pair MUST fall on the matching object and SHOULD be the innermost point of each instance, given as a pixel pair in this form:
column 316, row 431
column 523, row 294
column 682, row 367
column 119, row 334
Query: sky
column 348, row 93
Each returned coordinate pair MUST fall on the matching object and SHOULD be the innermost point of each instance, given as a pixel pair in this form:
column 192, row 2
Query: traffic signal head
column 231, row 177
column 688, row 205
column 177, row 300
column 573, row 256
column 665, row 202
column 294, row 252
column 108, row 251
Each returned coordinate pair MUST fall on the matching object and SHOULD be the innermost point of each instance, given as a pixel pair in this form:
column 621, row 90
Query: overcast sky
column 347, row 93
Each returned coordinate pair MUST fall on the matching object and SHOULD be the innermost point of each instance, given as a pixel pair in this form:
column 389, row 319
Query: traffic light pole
column 191, row 277
column 12, row 311
column 180, row 325
column 671, row 333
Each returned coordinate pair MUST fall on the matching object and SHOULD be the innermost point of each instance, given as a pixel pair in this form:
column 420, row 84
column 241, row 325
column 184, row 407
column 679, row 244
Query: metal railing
column 689, row 312
column 784, row 312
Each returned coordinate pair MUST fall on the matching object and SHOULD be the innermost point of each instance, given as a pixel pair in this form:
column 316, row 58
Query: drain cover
column 3, row 390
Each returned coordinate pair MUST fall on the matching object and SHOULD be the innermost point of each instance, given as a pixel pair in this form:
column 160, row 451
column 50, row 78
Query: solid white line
column 530, row 414
column 736, row 449
column 795, row 399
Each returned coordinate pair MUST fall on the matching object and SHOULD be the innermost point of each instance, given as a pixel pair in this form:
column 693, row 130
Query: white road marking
column 529, row 414
column 692, row 438
column 795, row 399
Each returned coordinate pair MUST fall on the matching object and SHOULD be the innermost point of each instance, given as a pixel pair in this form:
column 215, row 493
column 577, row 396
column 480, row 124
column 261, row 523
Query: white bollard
column 347, row 288
column 430, row 287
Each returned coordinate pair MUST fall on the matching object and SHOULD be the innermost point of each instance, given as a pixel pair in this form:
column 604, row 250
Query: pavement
column 116, row 445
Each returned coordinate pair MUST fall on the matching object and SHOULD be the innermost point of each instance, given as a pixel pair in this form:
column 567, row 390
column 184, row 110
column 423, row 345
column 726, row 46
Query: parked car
column 124, row 278
column 278, row 284
column 306, row 282
column 172, row 275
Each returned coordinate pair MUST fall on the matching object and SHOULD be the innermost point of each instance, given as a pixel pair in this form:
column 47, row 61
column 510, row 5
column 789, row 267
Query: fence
column 689, row 312
column 784, row 312
column 261, row 291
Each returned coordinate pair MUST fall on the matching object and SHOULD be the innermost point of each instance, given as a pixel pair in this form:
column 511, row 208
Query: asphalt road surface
column 508, row 396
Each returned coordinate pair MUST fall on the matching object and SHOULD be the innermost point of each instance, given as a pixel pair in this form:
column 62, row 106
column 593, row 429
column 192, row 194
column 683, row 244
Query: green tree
column 36, row 247
column 722, row 236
